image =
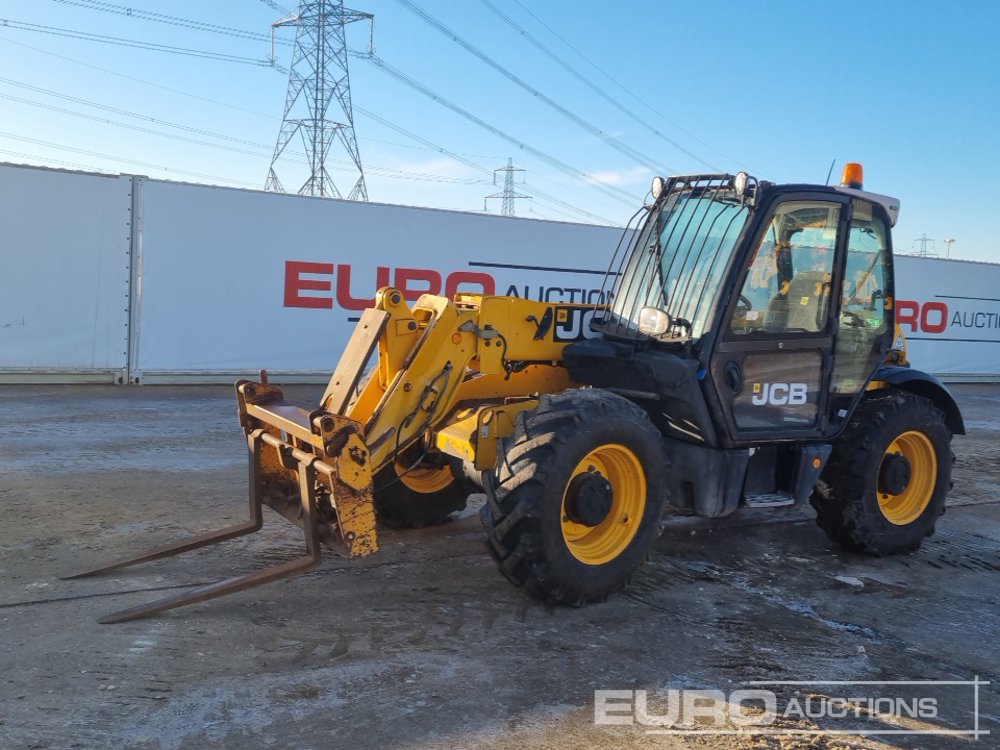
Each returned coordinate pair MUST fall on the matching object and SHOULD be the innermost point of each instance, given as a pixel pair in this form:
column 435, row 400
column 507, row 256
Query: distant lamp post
column 948, row 249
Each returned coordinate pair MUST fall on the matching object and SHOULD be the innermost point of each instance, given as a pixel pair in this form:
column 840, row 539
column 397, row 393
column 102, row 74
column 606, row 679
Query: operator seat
column 803, row 307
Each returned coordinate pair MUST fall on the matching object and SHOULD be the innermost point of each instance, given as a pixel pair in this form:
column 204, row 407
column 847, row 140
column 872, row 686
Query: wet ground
column 426, row 645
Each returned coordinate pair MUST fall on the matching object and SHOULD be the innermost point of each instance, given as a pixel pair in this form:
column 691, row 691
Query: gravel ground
column 425, row 645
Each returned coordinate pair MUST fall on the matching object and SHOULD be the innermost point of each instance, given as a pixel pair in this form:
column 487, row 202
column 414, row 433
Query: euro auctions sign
column 949, row 310
column 950, row 313
column 340, row 286
column 236, row 280
column 939, row 317
column 320, row 285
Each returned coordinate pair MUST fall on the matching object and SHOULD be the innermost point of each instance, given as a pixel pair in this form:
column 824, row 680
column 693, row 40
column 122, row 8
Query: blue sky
column 780, row 88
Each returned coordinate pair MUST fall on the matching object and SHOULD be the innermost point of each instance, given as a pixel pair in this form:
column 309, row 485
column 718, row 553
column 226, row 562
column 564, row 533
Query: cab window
column 787, row 286
column 864, row 301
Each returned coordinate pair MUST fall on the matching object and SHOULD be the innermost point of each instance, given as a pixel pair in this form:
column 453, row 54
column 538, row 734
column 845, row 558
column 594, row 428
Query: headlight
column 653, row 321
column 740, row 183
column 657, row 187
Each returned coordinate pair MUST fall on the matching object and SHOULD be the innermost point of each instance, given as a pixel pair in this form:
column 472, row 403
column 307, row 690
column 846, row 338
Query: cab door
column 773, row 355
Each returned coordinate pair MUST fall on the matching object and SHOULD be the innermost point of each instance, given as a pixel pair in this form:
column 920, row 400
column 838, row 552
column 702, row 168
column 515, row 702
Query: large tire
column 576, row 500
column 864, row 500
column 424, row 496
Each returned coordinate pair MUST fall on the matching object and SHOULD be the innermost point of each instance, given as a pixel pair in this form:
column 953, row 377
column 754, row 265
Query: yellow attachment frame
column 443, row 366
column 450, row 377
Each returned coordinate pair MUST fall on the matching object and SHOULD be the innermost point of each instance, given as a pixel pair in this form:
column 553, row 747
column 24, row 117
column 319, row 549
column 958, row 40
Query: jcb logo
column 779, row 394
column 573, row 324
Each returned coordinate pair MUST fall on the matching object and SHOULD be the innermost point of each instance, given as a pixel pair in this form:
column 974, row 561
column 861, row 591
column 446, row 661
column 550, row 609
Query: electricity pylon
column 318, row 102
column 508, row 195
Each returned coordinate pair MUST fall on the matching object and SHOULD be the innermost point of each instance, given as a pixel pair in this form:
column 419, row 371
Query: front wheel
column 886, row 483
column 409, row 495
column 576, row 500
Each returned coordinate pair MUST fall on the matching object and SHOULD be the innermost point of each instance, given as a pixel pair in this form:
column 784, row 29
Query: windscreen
column 680, row 257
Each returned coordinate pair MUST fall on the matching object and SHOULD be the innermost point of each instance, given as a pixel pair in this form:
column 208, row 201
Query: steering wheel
column 745, row 302
column 855, row 320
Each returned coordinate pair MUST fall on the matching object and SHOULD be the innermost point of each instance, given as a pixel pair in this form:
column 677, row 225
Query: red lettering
column 294, row 283
column 344, row 298
column 907, row 313
column 942, row 322
column 412, row 282
column 929, row 317
column 483, row 280
column 405, row 275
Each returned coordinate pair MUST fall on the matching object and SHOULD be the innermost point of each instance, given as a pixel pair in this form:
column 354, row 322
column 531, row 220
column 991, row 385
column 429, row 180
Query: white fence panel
column 64, row 275
column 235, row 280
column 950, row 313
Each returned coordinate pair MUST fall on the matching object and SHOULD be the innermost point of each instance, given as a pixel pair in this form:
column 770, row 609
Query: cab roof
column 890, row 204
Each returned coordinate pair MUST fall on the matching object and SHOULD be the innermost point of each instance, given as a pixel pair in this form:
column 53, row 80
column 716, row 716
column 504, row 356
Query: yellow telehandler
column 748, row 357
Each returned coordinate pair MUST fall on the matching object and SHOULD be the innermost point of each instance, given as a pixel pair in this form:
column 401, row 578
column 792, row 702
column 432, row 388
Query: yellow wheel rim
column 907, row 506
column 425, row 480
column 596, row 545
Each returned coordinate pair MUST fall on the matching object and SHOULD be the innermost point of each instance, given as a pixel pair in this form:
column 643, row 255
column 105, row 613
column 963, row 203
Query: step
column 770, row 500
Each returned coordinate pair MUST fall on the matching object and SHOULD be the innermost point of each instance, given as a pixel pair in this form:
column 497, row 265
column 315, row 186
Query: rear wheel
column 408, row 496
column 577, row 498
column 886, row 483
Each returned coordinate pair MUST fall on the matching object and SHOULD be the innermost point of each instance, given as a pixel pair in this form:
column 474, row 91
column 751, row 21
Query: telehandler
column 748, row 357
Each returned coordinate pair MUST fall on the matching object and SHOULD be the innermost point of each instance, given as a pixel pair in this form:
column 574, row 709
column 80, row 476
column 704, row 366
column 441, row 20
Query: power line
column 428, row 145
column 536, row 192
column 150, row 165
column 380, row 171
column 610, row 140
column 576, row 174
column 136, row 79
column 622, row 86
column 106, row 7
column 104, row 170
column 99, row 5
column 197, row 97
column 60, row 162
column 590, row 84
column 125, row 112
column 459, row 158
column 274, row 6
column 121, row 42
column 564, row 214
column 261, row 148
column 186, row 23
column 558, row 164
column 138, row 128
column 411, row 146
column 123, row 10
column 49, row 144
